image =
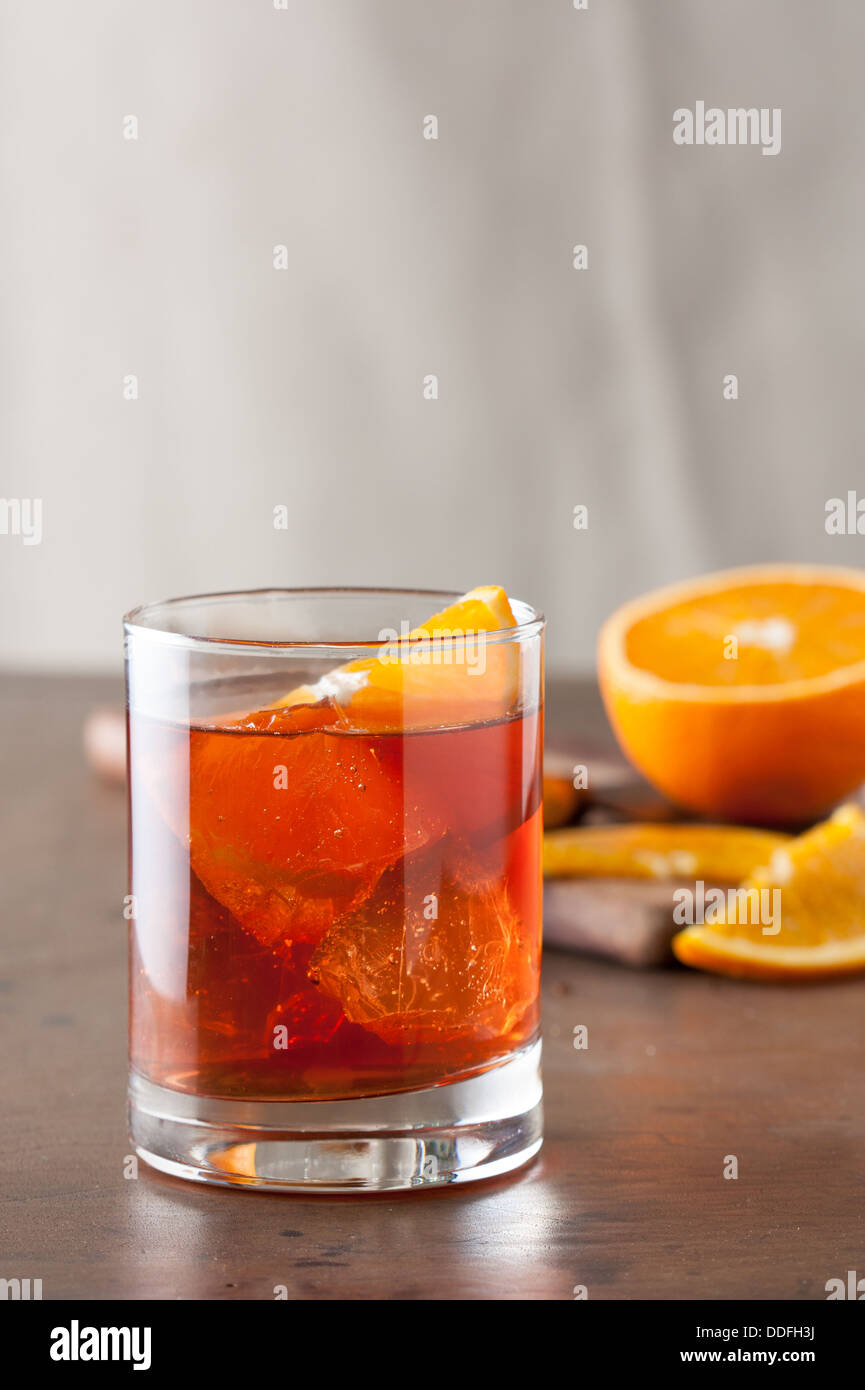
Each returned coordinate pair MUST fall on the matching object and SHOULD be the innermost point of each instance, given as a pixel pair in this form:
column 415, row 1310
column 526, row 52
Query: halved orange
column 742, row 695
column 715, row 853
column 819, row 911
column 449, row 669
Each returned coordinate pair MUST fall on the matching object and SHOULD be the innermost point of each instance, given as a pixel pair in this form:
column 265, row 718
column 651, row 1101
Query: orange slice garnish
column 449, row 670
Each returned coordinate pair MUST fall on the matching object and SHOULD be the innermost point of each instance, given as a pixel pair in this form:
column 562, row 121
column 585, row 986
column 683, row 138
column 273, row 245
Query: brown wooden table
column 627, row 1197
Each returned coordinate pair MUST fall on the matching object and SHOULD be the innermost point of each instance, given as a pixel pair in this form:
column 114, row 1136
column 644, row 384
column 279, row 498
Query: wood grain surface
column 627, row 1198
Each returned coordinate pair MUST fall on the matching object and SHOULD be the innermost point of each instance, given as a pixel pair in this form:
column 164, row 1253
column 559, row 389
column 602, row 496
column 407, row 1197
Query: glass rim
column 528, row 626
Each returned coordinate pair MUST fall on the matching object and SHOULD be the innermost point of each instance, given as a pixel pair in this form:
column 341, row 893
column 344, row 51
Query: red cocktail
column 336, row 889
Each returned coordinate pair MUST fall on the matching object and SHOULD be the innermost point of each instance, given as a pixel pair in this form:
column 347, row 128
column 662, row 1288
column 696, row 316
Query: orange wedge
column 742, row 695
column 446, row 670
column 715, row 853
column 820, row 883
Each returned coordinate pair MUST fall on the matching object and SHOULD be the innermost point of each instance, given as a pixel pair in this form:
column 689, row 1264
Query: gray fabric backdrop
column 303, row 127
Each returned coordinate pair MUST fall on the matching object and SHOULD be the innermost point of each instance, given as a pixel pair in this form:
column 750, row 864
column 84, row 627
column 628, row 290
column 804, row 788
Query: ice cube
column 307, row 1015
column 289, row 832
column 425, row 960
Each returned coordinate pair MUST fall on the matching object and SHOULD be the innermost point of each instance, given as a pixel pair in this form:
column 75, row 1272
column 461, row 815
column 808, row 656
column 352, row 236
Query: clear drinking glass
column 335, row 890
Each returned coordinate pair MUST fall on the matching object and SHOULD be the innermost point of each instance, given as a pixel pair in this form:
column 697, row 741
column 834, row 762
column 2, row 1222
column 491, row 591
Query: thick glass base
column 459, row 1133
